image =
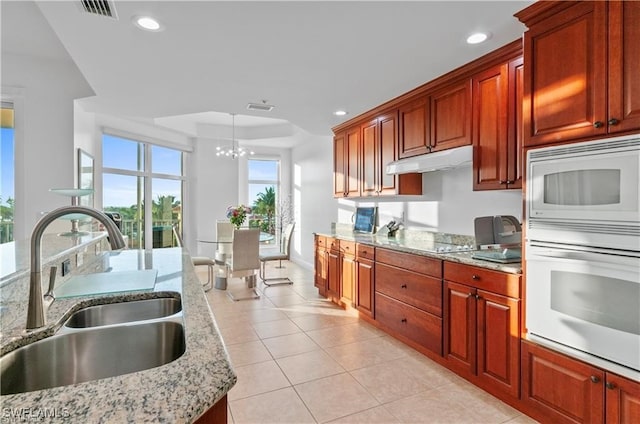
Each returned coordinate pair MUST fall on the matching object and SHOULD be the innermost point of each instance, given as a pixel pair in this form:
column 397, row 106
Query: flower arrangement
column 237, row 214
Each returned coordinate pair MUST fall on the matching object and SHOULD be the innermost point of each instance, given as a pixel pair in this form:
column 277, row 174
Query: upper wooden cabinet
column 414, row 128
column 450, row 111
column 346, row 171
column 364, row 151
column 580, row 79
column 497, row 126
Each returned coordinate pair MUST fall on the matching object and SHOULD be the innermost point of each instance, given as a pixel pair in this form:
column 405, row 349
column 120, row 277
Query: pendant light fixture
column 234, row 151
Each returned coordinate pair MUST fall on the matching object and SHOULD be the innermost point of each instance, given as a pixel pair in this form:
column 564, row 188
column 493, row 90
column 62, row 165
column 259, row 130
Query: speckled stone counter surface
column 418, row 243
column 178, row 392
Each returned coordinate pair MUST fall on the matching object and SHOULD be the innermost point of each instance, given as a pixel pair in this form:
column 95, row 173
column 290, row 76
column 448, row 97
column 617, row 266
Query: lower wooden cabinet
column 347, row 273
column 560, row 389
column 365, row 277
column 408, row 297
column 321, row 265
column 217, row 414
column 482, row 327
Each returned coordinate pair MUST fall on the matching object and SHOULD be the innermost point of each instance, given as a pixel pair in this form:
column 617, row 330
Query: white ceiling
column 307, row 58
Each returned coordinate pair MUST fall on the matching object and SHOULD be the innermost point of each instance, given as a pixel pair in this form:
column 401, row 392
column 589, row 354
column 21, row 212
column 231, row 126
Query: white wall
column 314, row 206
column 448, row 204
column 45, row 153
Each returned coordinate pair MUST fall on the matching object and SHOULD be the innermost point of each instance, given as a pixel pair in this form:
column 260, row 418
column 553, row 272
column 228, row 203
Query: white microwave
column 585, row 193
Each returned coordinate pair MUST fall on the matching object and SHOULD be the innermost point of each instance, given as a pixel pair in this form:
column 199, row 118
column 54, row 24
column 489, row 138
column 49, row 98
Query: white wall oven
column 583, row 247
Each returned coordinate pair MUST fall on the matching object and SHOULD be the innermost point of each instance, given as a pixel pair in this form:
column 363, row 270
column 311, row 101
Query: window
column 140, row 180
column 264, row 190
column 7, row 172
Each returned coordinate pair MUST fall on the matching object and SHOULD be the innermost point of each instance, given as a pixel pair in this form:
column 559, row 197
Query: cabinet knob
column 595, row 379
column 613, row 121
column 610, row 386
column 475, row 277
column 510, row 182
column 478, row 297
column 471, row 295
column 403, row 320
column 504, row 182
column 404, row 286
column 598, row 124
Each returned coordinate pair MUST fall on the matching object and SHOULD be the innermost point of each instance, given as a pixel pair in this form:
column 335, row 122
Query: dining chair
column 198, row 260
column 244, row 262
column 224, row 239
column 281, row 255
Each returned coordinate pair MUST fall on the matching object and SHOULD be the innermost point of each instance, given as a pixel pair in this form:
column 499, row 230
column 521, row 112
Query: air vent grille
column 594, row 227
column 263, row 107
column 99, row 7
column 587, row 148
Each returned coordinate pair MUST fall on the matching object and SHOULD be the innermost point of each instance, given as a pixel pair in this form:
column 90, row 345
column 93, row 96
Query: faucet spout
column 35, row 311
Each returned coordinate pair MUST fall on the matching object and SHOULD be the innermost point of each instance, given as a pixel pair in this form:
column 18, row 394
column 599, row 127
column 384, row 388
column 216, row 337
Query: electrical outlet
column 79, row 259
column 66, row 267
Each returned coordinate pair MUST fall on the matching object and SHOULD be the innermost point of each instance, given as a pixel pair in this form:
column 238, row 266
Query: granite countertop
column 178, row 392
column 419, row 246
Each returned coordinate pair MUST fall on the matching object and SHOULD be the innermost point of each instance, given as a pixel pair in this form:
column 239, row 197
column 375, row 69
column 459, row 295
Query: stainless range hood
column 444, row 159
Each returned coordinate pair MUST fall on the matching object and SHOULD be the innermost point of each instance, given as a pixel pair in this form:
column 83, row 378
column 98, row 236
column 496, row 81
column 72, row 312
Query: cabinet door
column 347, row 272
column 499, row 342
column 339, row 165
column 559, row 389
column 451, row 117
column 333, row 274
column 364, row 292
column 320, row 280
column 388, row 132
column 490, row 129
column 460, row 327
column 370, row 162
column 622, row 400
column 414, row 130
column 624, row 66
column 515, row 132
column 565, row 76
column 352, row 158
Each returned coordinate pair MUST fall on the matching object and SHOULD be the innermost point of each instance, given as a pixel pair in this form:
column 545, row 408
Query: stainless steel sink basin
column 118, row 313
column 85, row 355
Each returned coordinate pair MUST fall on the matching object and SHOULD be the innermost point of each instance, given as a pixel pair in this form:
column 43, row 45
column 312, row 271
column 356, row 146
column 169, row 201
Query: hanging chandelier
column 234, row 151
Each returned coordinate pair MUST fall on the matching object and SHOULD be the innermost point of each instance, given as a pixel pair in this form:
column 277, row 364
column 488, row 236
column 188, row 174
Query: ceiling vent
column 99, row 7
column 263, row 107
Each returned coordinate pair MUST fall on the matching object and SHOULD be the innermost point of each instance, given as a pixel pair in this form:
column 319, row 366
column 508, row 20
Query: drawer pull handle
column 403, row 320
column 595, row 379
column 404, row 286
column 475, row 277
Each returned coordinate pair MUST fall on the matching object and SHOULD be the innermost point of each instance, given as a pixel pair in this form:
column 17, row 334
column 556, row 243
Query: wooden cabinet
column 321, row 264
column 482, row 326
column 582, row 59
column 497, row 126
column 365, row 256
column 450, row 112
column 414, row 128
column 334, row 272
column 379, row 147
column 346, row 162
column 560, row 389
column 408, row 297
column 347, row 272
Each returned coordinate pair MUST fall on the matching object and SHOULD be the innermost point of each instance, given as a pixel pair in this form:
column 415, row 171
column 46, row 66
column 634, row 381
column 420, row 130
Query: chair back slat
column 285, row 240
column 246, row 249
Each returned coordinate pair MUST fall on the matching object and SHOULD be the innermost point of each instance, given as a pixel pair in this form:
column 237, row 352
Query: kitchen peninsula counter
column 177, row 392
column 420, row 246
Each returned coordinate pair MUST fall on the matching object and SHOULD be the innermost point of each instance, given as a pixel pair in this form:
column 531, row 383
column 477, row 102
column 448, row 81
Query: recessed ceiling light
column 147, row 23
column 477, row 37
column 340, row 112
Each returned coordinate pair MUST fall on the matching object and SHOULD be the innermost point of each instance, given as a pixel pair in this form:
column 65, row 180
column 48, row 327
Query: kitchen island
column 180, row 391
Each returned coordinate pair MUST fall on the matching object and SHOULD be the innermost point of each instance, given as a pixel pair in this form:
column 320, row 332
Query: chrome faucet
column 36, row 311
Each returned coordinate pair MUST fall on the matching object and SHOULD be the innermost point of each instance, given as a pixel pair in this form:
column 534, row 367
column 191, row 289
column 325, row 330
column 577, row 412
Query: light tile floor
column 301, row 359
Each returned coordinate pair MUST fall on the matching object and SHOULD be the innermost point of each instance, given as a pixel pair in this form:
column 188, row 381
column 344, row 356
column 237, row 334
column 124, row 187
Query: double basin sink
column 98, row 342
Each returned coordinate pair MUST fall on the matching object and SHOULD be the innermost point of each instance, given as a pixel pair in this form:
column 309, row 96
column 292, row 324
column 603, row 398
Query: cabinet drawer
column 333, row 244
column 321, row 241
column 494, row 281
column 415, row 289
column 416, row 263
column 365, row 251
column 412, row 323
column 348, row 247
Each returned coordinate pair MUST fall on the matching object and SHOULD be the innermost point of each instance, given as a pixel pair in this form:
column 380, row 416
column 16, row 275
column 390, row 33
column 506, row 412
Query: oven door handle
column 556, row 253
